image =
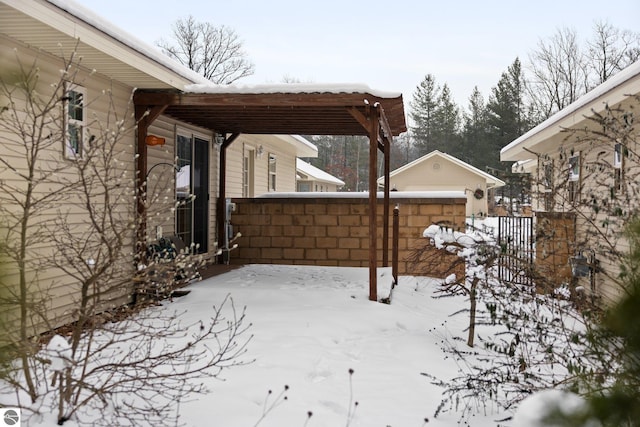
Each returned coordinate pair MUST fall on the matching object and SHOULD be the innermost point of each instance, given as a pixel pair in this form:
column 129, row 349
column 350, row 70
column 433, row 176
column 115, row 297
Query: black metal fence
column 517, row 249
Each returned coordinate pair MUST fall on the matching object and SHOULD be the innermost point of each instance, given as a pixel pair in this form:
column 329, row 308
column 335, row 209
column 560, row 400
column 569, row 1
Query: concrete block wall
column 332, row 231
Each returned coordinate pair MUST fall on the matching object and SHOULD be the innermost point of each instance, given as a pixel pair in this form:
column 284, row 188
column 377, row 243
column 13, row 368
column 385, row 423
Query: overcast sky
column 389, row 45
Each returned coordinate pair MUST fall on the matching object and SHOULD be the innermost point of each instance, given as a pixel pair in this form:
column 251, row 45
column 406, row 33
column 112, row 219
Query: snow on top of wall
column 365, row 194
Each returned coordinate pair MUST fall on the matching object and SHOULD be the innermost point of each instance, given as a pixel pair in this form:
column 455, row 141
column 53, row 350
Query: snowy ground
column 311, row 325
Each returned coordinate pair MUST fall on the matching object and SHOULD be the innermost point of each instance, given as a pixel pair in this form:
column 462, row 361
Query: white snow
column 350, row 88
column 443, row 235
column 316, row 173
column 365, row 194
column 59, row 353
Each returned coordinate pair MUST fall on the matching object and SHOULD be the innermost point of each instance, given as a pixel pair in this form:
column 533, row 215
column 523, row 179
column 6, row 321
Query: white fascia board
column 612, row 92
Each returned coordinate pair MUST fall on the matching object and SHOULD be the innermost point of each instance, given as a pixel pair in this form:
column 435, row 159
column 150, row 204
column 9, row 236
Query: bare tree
column 611, row 50
column 558, row 72
column 214, row 52
column 75, row 216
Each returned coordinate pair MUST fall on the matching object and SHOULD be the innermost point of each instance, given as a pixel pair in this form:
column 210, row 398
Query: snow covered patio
column 310, row 326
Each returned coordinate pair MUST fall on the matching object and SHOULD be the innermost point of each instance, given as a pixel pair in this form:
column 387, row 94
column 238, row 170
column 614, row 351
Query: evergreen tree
column 506, row 111
column 473, row 148
column 423, row 113
column 446, row 124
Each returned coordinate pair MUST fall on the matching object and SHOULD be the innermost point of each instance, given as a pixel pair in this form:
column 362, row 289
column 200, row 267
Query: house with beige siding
column 439, row 171
column 584, row 165
column 108, row 66
column 311, row 178
column 260, row 164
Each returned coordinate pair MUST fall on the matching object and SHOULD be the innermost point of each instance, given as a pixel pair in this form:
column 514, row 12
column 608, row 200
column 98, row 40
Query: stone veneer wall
column 334, row 231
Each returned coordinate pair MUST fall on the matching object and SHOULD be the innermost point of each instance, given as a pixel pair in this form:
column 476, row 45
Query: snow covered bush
column 530, row 341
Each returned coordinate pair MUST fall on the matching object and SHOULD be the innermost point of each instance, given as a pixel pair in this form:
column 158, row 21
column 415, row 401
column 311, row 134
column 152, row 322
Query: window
column 304, row 187
column 618, row 168
column 272, row 172
column 75, row 122
column 574, row 177
column 574, row 167
column 547, row 182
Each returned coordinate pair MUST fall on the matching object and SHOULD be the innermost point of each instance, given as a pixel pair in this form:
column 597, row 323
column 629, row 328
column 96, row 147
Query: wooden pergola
column 305, row 112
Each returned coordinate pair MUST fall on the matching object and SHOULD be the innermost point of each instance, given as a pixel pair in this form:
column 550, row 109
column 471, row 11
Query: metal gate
column 516, row 240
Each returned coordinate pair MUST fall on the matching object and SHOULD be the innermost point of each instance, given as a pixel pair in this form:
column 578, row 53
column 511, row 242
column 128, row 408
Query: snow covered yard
column 311, row 325
column 317, row 345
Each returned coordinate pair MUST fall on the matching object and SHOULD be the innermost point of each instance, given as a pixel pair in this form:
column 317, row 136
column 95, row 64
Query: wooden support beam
column 373, row 203
column 385, row 215
column 145, row 115
column 221, row 212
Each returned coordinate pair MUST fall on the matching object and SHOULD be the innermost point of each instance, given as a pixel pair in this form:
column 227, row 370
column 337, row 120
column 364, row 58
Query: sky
column 387, row 45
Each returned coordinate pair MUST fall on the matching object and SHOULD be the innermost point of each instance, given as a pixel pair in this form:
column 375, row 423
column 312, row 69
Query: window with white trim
column 574, row 177
column 618, row 167
column 272, row 172
column 75, row 114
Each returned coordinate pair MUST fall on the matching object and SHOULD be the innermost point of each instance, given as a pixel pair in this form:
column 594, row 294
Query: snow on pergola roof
column 280, row 109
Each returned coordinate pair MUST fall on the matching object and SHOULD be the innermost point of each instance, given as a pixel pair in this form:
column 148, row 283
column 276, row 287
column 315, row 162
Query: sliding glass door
column 192, row 191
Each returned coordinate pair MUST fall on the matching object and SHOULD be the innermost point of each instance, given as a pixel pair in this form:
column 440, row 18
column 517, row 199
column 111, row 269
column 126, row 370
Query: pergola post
column 373, row 202
column 385, row 216
column 144, row 116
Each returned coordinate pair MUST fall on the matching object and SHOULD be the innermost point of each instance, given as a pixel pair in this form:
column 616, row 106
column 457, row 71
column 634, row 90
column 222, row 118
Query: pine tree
column 423, row 113
column 474, row 139
column 507, row 114
column 447, row 123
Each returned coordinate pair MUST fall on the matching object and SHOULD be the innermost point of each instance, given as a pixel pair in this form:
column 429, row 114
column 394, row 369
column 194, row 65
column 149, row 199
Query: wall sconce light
column 260, row 151
column 153, row 140
column 219, row 138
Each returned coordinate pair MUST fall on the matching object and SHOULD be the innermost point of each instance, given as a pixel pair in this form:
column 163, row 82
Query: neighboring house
column 570, row 165
column 260, row 164
column 439, row 171
column 311, row 178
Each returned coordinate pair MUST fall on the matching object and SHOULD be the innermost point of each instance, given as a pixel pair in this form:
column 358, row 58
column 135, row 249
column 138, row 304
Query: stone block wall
column 334, row 231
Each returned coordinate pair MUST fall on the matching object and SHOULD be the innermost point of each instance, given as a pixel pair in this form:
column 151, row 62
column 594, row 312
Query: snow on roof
column 290, row 88
column 201, row 84
column 490, row 179
column 306, row 142
column 316, row 174
column 622, row 77
column 91, row 18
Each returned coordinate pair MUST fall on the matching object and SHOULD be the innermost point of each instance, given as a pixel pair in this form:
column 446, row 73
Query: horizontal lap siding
column 57, row 289
column 332, row 231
